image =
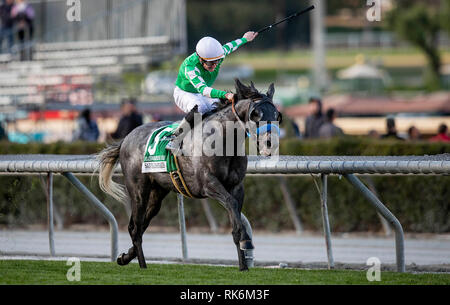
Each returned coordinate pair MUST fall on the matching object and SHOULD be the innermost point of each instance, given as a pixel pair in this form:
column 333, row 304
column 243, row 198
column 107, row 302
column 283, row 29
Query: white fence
column 347, row 166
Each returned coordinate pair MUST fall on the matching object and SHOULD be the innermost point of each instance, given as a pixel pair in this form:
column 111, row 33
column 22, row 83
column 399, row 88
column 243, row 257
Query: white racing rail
column 347, row 166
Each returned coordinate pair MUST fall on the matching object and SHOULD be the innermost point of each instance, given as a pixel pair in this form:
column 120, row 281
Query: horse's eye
column 256, row 115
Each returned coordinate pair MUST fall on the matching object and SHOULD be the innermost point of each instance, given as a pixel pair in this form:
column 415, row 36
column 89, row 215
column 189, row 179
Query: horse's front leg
column 215, row 190
column 245, row 242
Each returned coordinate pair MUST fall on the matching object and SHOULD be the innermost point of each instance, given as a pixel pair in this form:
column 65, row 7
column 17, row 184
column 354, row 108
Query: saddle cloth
column 156, row 158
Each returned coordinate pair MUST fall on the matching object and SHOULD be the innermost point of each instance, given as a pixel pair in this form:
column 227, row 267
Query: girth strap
column 178, row 180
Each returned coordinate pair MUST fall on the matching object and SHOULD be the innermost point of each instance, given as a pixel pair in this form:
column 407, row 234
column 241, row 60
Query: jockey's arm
column 194, row 76
column 233, row 45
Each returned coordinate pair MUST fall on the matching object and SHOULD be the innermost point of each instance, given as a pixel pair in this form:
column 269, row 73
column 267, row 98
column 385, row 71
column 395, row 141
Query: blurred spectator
column 130, row 119
column 289, row 129
column 373, row 134
column 6, row 25
column 297, row 132
column 442, row 135
column 155, row 117
column 391, row 130
column 23, row 15
column 328, row 128
column 414, row 133
column 87, row 129
column 315, row 119
column 3, row 133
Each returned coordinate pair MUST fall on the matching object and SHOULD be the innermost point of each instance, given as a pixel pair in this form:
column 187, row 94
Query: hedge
column 22, row 200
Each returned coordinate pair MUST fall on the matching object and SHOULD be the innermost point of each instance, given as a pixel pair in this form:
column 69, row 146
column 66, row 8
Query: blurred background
column 52, row 68
column 378, row 73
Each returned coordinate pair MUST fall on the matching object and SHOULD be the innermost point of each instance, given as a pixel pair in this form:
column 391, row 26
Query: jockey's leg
column 190, row 103
column 185, row 100
column 208, row 104
column 186, row 124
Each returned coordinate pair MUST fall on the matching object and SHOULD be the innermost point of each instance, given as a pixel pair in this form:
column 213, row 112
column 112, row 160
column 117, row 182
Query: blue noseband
column 266, row 128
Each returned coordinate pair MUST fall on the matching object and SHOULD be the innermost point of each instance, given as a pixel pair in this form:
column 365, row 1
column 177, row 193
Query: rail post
column 381, row 208
column 113, row 227
column 182, row 222
column 325, row 220
column 49, row 190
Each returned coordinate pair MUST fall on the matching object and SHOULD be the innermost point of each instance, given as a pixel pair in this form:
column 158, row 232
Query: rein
column 233, row 108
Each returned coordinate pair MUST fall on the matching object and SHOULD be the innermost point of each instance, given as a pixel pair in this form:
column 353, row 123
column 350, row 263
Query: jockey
column 193, row 91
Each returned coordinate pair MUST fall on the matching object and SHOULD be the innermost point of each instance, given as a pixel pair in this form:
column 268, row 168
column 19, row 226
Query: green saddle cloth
column 156, row 158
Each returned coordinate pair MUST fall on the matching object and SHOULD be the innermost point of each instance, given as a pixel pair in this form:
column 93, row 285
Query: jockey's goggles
column 211, row 63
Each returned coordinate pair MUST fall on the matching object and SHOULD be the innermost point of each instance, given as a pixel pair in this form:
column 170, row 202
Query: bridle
column 257, row 101
column 233, row 108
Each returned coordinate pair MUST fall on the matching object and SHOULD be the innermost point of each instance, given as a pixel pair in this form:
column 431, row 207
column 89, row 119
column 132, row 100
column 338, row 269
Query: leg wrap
column 249, row 258
column 246, row 245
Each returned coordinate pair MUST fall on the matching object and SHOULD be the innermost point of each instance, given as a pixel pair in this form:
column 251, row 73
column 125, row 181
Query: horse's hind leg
column 135, row 231
column 139, row 221
column 125, row 258
column 138, row 187
column 156, row 196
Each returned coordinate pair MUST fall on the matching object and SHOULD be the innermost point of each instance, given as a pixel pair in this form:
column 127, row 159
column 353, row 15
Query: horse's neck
column 228, row 115
column 223, row 118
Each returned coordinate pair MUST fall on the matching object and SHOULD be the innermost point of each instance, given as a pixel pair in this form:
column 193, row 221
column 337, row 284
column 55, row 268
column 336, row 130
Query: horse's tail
column 108, row 159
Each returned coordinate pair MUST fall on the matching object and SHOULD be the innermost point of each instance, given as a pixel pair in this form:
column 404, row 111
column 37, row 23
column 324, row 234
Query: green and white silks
column 193, row 78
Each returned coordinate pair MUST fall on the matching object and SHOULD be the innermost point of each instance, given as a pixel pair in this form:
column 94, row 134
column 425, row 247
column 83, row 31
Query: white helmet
column 209, row 49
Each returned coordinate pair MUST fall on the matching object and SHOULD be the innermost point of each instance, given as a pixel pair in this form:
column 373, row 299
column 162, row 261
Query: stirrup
column 174, row 148
column 171, row 145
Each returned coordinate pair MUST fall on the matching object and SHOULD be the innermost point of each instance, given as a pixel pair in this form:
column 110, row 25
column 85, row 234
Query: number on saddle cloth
column 156, row 158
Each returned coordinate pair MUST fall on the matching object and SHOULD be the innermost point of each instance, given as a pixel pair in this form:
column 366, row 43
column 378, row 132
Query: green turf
column 54, row 272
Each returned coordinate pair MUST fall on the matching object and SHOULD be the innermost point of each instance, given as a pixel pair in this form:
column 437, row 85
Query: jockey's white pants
column 187, row 100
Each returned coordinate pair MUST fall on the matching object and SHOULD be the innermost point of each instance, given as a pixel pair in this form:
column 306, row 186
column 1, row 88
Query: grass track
column 32, row 272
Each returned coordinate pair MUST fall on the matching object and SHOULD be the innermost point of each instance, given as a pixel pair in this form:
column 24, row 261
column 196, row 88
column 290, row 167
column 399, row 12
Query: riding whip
column 286, row 19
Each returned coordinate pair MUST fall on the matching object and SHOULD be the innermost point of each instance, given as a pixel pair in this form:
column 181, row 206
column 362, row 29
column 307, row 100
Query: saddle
column 157, row 159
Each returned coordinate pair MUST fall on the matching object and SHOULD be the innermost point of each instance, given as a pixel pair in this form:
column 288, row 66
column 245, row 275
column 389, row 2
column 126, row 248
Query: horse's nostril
column 269, row 144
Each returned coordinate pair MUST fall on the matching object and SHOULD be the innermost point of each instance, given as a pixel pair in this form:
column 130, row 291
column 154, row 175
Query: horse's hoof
column 246, row 245
column 243, row 269
column 120, row 260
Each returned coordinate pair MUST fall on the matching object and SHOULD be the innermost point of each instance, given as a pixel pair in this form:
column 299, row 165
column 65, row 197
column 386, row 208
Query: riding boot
column 174, row 144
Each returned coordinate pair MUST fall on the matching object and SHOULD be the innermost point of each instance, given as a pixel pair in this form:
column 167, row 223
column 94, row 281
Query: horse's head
column 262, row 116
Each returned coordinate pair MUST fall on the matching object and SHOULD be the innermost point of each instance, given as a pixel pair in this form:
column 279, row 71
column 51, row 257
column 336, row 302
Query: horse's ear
column 271, row 91
column 239, row 87
column 242, row 90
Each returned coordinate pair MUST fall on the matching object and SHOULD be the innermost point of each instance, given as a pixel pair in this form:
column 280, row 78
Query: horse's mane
column 243, row 92
column 247, row 92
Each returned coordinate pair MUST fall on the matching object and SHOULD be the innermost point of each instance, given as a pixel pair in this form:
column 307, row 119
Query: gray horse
column 219, row 177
